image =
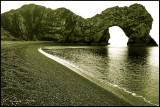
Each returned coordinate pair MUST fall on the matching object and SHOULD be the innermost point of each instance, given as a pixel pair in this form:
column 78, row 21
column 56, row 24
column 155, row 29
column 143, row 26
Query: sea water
column 133, row 69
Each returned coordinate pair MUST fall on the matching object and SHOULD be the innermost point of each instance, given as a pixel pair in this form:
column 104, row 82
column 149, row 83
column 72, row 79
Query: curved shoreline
column 32, row 79
column 107, row 86
column 29, row 78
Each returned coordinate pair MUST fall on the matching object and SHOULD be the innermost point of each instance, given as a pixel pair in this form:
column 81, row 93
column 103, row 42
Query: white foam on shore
column 89, row 76
column 134, row 94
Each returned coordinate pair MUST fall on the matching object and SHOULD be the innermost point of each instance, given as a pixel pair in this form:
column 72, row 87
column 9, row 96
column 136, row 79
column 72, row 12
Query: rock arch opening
column 117, row 36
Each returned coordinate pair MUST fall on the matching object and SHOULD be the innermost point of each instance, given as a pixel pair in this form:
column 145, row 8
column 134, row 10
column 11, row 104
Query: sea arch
column 134, row 20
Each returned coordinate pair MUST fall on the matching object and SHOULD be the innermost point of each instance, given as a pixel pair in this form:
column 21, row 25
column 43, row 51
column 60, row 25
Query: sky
column 87, row 9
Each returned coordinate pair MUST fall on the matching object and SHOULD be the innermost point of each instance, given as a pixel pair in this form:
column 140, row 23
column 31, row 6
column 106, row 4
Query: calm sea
column 135, row 69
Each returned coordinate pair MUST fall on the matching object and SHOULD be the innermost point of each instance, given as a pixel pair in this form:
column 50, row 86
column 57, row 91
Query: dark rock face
column 61, row 25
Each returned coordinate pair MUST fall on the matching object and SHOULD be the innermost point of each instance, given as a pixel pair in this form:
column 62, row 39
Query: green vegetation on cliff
column 6, row 36
column 35, row 22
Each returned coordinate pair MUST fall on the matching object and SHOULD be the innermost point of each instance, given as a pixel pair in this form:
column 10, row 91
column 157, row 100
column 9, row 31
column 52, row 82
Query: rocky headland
column 35, row 22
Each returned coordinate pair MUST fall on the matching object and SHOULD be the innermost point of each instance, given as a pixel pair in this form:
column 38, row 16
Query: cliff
column 32, row 22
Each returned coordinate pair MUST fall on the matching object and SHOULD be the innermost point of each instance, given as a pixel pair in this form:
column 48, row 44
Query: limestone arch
column 134, row 20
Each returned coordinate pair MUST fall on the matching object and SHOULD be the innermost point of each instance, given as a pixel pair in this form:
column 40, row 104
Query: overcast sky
column 88, row 9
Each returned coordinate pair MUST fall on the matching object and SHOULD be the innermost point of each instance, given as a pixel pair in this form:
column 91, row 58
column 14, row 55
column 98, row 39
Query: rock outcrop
column 32, row 22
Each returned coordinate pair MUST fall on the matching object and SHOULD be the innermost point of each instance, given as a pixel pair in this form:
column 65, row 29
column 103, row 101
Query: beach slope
column 30, row 78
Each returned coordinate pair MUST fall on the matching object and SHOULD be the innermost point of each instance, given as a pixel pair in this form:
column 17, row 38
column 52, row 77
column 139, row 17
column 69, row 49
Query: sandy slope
column 30, row 78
